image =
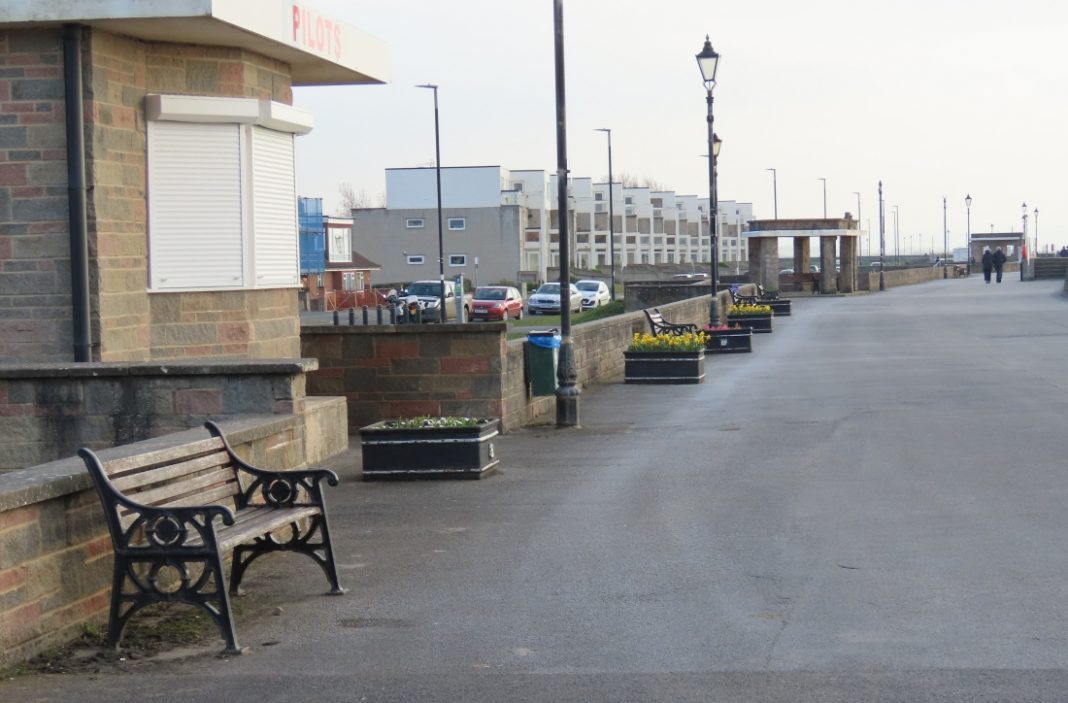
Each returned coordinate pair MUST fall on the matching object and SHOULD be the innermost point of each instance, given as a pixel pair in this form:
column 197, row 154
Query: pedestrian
column 999, row 262
column 988, row 263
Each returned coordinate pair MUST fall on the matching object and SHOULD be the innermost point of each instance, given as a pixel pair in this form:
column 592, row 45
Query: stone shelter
column 838, row 250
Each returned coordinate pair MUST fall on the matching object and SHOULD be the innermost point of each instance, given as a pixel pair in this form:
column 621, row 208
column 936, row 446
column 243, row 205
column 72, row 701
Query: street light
column 897, row 239
column 968, row 206
column 824, row 196
column 945, row 236
column 1036, row 233
column 882, row 238
column 774, row 190
column 611, row 214
column 437, row 168
column 1024, row 258
column 708, row 62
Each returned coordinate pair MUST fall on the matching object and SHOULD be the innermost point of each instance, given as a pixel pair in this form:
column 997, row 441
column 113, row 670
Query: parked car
column 547, row 299
column 497, row 303
column 594, row 294
column 427, row 296
column 694, row 276
column 786, row 272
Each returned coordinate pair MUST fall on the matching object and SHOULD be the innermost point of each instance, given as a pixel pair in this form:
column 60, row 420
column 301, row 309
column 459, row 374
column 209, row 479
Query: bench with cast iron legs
column 659, row 325
column 164, row 510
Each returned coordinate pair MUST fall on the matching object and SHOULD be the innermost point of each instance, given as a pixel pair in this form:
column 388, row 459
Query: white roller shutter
column 194, row 206
column 274, row 210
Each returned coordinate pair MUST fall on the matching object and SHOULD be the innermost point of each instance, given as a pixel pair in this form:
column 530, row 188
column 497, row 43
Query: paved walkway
column 872, row 506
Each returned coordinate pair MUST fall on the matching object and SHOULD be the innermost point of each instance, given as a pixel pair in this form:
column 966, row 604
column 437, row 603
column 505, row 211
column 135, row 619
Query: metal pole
column 897, row 240
column 567, row 392
column 945, row 238
column 824, row 196
column 611, row 216
column 774, row 190
column 968, row 207
column 437, row 169
column 882, row 238
column 1023, row 246
column 1036, row 233
column 713, row 216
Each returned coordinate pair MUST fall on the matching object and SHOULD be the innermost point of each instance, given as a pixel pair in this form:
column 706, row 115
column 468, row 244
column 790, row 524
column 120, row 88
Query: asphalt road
column 870, row 507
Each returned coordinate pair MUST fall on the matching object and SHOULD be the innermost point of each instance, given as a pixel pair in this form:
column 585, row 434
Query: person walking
column 988, row 263
column 999, row 263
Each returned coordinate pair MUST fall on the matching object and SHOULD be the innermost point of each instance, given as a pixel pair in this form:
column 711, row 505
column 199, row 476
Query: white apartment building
column 505, row 225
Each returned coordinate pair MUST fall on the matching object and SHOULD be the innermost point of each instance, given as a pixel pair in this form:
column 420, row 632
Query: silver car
column 547, row 299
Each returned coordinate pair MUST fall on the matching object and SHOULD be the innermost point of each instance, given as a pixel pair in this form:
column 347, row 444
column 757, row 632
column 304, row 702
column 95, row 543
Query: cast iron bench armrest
column 739, row 299
column 659, row 325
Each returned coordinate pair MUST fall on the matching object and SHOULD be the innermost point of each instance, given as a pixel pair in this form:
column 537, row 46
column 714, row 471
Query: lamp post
column 611, row 214
column 437, row 169
column 897, row 239
column 968, row 207
column 861, row 249
column 824, row 196
column 774, row 190
column 1024, row 258
column 1036, row 233
column 708, row 62
column 882, row 238
column 567, row 391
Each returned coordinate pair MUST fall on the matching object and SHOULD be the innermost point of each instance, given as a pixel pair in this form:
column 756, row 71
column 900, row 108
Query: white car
column 547, row 299
column 594, row 294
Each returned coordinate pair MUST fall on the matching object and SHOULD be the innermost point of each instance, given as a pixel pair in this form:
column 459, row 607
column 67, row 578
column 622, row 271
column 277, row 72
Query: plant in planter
column 665, row 358
column 756, row 316
column 724, row 339
column 429, row 447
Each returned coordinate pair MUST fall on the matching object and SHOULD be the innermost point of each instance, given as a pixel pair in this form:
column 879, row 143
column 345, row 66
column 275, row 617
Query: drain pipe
column 76, row 197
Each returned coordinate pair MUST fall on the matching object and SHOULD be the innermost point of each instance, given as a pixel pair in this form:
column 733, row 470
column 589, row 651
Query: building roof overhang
column 319, row 49
column 803, row 233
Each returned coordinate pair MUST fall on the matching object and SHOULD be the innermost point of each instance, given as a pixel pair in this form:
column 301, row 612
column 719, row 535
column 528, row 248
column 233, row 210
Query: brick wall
column 55, row 552
column 48, row 411
column 35, row 303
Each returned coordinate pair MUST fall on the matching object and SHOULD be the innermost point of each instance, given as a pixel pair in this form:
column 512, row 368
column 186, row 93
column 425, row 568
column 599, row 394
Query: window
column 348, row 280
column 628, row 200
column 415, row 223
column 456, row 223
column 598, row 195
column 340, row 244
column 457, row 259
column 415, row 259
column 222, row 205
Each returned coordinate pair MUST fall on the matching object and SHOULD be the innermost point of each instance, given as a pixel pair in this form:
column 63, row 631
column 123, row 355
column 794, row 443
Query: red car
column 497, row 303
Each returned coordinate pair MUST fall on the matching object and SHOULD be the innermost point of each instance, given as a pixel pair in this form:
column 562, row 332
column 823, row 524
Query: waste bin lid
column 546, row 339
column 543, row 333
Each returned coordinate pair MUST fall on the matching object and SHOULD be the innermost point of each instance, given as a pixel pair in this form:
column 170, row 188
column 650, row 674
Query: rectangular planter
column 729, row 341
column 761, row 323
column 664, row 367
column 429, row 452
column 780, row 307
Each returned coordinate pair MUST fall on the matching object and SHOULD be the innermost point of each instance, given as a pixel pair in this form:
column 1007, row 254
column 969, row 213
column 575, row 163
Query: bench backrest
column 197, row 473
column 656, row 320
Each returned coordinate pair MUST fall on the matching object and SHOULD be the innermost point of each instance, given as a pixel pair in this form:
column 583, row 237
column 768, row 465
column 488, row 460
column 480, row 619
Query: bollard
column 378, row 314
column 336, row 319
column 365, row 318
column 352, row 316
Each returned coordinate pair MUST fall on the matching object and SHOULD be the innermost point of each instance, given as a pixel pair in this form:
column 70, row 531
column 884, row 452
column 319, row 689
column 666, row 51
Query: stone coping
column 426, row 328
column 219, row 367
column 69, row 475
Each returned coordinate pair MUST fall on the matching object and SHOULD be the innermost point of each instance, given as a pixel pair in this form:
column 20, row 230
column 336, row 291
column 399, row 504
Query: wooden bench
column 163, row 508
column 659, row 325
column 740, row 299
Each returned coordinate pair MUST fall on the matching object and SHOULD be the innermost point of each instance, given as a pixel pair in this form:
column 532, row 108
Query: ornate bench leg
column 245, row 554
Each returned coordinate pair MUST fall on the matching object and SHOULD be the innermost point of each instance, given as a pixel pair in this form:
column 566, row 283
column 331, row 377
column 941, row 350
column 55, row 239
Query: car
column 594, row 294
column 546, row 299
column 497, row 303
column 425, row 296
column 693, row 276
column 786, row 272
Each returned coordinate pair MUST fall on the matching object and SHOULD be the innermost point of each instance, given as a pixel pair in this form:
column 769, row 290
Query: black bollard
column 352, row 316
column 365, row 318
column 378, row 312
column 336, row 319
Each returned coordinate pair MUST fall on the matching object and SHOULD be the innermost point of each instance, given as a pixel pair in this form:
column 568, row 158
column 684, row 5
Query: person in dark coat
column 999, row 262
column 988, row 264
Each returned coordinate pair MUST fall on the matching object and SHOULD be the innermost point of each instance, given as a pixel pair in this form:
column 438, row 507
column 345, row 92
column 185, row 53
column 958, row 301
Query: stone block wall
column 48, row 411
column 55, row 551
column 35, row 290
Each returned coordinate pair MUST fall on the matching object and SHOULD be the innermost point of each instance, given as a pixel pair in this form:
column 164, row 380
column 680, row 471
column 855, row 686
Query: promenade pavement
column 870, row 507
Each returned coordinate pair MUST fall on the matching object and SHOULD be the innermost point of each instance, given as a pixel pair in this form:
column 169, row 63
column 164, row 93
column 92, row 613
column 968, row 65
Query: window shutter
column 194, row 205
column 274, row 210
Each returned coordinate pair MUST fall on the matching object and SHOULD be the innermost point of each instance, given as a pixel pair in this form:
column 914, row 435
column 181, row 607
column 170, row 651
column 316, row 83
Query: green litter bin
column 543, row 351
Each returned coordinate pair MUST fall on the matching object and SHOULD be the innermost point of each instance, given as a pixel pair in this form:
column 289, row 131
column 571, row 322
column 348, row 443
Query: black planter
column 664, row 367
column 780, row 307
column 429, row 452
column 760, row 322
column 729, row 341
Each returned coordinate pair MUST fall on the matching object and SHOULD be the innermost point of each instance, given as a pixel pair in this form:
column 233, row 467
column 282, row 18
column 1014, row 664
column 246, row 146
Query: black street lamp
column 567, row 391
column 1024, row 258
column 1036, row 232
column 968, row 207
column 708, row 62
column 611, row 214
column 774, row 190
column 945, row 237
column 882, row 238
column 437, row 167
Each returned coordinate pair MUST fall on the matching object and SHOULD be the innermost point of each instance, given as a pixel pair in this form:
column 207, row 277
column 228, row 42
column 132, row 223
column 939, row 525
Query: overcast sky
column 933, row 97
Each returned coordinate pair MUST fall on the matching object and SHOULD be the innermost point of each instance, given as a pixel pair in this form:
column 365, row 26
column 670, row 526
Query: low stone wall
column 49, row 410
column 651, row 294
column 55, row 551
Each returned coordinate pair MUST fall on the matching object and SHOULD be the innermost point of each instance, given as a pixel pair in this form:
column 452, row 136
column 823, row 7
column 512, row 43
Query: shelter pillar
column 801, row 256
column 848, row 279
column 828, row 274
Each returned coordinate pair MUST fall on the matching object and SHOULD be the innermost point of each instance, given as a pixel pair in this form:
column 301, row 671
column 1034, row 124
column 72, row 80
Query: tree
column 350, row 200
column 628, row 180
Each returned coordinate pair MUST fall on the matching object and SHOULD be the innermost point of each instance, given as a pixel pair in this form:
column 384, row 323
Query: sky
column 935, row 98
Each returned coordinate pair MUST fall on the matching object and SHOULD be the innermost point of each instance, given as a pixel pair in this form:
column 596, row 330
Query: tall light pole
column 437, row 169
column 1036, row 233
column 774, row 190
column 857, row 193
column 897, row 239
column 611, row 214
column 1024, row 258
column 882, row 238
column 567, row 391
column 824, row 196
column 968, row 207
column 708, row 62
column 945, row 238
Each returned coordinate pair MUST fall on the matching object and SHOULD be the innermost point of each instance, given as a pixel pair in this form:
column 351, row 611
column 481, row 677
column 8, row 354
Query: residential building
column 333, row 275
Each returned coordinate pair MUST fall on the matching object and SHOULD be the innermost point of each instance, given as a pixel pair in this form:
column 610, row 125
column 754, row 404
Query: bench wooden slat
column 129, row 482
column 117, row 467
column 253, row 522
column 214, row 496
column 191, row 486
